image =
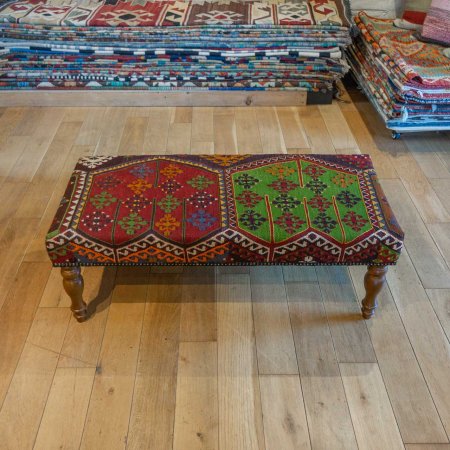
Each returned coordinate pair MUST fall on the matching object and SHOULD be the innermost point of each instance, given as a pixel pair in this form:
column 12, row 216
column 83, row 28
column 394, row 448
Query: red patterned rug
column 131, row 13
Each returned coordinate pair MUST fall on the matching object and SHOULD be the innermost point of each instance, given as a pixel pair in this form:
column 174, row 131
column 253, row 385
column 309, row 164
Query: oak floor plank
column 48, row 123
column 116, row 370
column 13, row 244
column 426, row 149
column 443, row 155
column 49, row 328
column 110, row 139
column 93, row 127
column 198, row 320
column 196, row 414
column 420, row 189
column 60, row 148
column 316, row 131
column 442, row 187
column 25, row 401
column 76, row 152
column 65, row 412
column 372, row 415
column 182, row 114
column 28, row 123
column 36, row 250
column 140, row 111
column 16, row 317
column 65, row 362
column 440, row 299
column 82, row 342
column 153, row 412
column 114, row 380
column 350, row 336
column 441, row 235
column 75, row 114
column 202, row 125
column 40, row 190
column 157, row 131
column 240, row 412
column 269, row 129
column 294, row 135
column 381, row 161
column 285, row 425
column 202, row 148
column 340, row 133
column 247, row 132
column 225, row 140
column 323, row 392
column 11, row 149
column 54, row 294
column 179, row 138
column 414, row 409
column 132, row 141
column 9, row 121
column 427, row 447
column 428, row 260
column 274, row 340
column 374, row 123
column 430, row 344
column 11, row 194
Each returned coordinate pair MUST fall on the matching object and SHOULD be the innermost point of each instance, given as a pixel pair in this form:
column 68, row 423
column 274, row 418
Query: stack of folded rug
column 170, row 45
column 406, row 79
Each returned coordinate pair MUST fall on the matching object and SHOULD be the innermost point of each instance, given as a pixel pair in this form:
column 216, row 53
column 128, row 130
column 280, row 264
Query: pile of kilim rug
column 172, row 45
column 406, row 79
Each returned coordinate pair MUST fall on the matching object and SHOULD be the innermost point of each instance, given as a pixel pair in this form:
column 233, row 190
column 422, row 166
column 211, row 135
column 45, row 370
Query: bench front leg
column 373, row 282
column 73, row 284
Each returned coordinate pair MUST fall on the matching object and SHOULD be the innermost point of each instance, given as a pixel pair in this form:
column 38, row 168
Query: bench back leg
column 73, row 284
column 373, row 282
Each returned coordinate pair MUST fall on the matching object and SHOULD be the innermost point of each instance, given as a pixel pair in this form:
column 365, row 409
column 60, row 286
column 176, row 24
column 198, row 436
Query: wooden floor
column 229, row 358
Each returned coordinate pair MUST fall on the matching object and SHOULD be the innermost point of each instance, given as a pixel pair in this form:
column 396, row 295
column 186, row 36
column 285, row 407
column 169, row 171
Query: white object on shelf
column 382, row 8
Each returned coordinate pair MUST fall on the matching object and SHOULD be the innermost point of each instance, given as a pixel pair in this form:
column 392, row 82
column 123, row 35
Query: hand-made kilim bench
column 224, row 210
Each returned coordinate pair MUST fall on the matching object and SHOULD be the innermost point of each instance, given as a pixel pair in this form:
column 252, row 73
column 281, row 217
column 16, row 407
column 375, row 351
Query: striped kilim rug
column 141, row 44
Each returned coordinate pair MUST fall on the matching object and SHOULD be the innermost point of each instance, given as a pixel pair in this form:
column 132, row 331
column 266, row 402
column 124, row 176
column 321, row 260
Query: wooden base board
column 170, row 98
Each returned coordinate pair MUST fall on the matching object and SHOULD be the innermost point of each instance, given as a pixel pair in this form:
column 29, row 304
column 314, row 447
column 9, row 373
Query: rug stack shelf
column 407, row 80
column 191, row 46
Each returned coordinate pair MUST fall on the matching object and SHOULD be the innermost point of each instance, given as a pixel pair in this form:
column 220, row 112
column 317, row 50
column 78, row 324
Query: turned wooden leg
column 373, row 282
column 73, row 284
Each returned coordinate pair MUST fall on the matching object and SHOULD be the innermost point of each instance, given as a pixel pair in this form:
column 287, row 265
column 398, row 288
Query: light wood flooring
column 229, row 358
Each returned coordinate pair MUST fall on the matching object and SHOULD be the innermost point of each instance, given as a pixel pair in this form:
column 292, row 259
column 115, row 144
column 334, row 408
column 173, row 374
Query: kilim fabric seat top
column 224, row 210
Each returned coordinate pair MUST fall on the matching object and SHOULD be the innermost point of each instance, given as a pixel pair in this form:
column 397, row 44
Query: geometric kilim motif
column 224, row 210
column 131, row 13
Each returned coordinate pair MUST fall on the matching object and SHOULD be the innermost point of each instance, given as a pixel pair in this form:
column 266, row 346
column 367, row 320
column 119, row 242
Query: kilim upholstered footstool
column 224, row 210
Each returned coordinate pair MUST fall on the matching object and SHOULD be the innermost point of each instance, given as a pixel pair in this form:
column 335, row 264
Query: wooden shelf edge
column 169, row 98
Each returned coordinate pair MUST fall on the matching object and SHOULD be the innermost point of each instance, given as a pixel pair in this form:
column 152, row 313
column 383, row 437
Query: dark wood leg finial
column 73, row 284
column 373, row 282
